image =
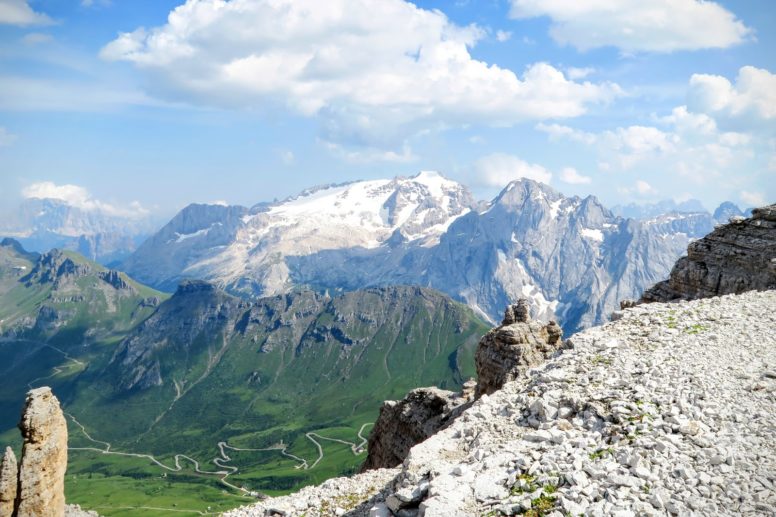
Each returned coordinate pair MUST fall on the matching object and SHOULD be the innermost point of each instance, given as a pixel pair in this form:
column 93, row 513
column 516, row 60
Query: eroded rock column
column 44, row 457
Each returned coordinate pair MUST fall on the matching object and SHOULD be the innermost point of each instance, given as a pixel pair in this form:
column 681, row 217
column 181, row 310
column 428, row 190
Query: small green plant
column 541, row 506
column 645, row 489
column 530, row 484
column 600, row 453
column 550, row 489
column 695, row 329
column 599, row 359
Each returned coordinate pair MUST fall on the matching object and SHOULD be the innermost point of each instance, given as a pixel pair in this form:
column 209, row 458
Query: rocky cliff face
column 405, row 423
column 736, row 257
column 38, row 489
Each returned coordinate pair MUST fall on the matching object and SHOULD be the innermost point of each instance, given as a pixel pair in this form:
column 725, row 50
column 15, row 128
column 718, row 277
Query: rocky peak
column 725, row 211
column 736, row 257
column 55, row 266
column 507, row 351
column 116, row 279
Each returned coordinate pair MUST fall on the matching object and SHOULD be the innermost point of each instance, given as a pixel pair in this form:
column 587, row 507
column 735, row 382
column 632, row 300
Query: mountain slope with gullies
column 206, row 398
column 570, row 257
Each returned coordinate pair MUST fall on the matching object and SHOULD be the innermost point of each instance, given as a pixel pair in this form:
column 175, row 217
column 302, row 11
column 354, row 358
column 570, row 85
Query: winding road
column 223, row 458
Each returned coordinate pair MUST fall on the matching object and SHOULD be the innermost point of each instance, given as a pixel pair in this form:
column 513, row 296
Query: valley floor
column 670, row 409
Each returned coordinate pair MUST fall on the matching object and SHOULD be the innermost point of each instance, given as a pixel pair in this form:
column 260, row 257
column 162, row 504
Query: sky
column 141, row 107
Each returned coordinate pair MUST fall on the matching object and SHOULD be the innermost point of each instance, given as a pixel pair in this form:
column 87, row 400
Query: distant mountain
column 650, row 210
column 572, row 257
column 43, row 224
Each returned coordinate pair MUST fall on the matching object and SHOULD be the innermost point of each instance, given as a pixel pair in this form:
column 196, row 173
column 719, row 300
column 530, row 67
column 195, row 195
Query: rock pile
column 734, row 258
column 669, row 410
column 503, row 354
column 36, row 488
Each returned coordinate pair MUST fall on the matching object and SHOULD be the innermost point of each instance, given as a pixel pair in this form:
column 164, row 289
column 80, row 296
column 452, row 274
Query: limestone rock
column 734, row 258
column 505, row 352
column 9, row 479
column 44, row 457
column 405, row 423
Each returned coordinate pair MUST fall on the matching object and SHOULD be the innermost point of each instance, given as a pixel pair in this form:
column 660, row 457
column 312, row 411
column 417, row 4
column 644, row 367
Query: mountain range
column 571, row 257
column 41, row 224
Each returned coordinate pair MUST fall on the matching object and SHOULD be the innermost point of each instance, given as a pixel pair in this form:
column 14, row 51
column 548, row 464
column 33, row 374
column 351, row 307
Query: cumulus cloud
column 19, row 12
column 79, row 197
column 637, row 25
column 572, row 176
column 498, row 169
column 375, row 73
column 6, row 137
column 751, row 98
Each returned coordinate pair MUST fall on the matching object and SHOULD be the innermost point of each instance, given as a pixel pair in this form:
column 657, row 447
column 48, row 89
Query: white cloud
column 752, row 97
column 6, row 137
column 753, row 199
column 640, row 188
column 375, row 72
column 579, row 73
column 503, row 36
column 558, row 132
column 683, row 143
column 637, row 25
column 79, row 197
column 572, row 176
column 498, row 169
column 19, row 12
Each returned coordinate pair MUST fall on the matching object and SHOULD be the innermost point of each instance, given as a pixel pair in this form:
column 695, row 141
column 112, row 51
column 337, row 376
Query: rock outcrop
column 503, row 355
column 405, row 423
column 41, row 491
column 507, row 351
column 9, row 479
column 734, row 258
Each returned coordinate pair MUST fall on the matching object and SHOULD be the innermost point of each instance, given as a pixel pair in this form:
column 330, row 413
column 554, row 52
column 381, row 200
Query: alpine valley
column 202, row 399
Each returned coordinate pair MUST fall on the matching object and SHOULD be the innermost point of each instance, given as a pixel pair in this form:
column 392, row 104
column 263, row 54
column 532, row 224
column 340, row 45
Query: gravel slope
column 670, row 409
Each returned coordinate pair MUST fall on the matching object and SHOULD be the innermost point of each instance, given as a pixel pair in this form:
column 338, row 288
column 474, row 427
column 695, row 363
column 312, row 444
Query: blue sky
column 149, row 105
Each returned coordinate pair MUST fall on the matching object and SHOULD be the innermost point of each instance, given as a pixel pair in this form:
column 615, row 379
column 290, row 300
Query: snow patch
column 590, row 233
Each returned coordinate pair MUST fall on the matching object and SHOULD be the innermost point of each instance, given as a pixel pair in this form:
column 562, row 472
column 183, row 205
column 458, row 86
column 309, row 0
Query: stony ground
column 670, row 409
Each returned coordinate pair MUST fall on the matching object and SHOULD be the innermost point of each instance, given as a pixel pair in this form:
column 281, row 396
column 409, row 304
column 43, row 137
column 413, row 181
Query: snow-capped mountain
column 571, row 257
column 41, row 224
column 249, row 250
